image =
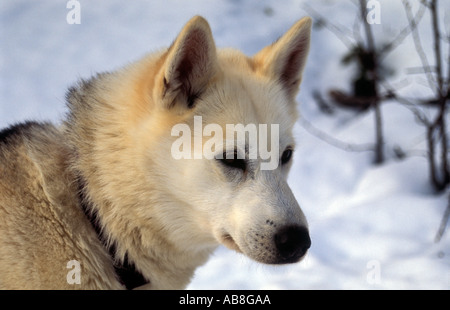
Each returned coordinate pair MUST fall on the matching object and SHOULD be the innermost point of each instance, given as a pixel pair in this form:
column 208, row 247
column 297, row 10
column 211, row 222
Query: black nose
column 292, row 242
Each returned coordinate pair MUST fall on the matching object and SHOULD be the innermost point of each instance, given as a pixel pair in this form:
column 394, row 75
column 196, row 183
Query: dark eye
column 234, row 162
column 286, row 156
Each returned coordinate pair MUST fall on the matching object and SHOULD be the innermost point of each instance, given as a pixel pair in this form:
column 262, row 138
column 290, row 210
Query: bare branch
column 349, row 147
column 418, row 43
column 403, row 33
column 448, row 63
column 437, row 47
column 444, row 222
column 407, row 103
column 356, row 32
column 420, row 70
column 368, row 30
column 336, row 30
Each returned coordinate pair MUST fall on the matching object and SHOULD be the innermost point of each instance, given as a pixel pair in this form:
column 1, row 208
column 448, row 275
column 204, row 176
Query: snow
column 372, row 227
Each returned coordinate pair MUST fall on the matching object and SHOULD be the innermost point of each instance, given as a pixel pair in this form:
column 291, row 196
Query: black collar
column 126, row 271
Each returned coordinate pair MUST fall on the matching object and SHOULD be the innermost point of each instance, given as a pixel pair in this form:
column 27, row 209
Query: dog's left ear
column 190, row 63
column 285, row 59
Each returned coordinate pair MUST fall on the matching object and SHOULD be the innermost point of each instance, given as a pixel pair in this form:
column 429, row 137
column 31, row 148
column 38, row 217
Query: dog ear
column 285, row 59
column 189, row 65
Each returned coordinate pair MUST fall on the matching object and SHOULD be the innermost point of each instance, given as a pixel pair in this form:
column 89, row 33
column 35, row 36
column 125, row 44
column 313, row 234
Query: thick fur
column 112, row 155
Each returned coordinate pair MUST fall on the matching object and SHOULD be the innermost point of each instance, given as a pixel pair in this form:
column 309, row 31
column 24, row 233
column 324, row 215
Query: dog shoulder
column 40, row 215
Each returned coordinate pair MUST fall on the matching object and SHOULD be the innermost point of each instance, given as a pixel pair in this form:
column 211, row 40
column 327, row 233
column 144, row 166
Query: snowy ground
column 372, row 227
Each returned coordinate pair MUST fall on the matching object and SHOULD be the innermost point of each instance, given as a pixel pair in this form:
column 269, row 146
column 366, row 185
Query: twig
column 403, row 33
column 418, row 43
column 337, row 31
column 379, row 154
column 406, row 103
column 448, row 64
column 356, row 29
column 333, row 141
column 444, row 221
column 437, row 48
column 368, row 30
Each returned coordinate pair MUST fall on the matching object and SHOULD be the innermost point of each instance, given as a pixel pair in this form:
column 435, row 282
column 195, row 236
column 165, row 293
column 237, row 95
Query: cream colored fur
column 166, row 215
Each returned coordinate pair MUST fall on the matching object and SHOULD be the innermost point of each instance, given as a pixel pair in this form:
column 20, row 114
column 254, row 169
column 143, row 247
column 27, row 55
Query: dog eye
column 286, row 156
column 234, row 162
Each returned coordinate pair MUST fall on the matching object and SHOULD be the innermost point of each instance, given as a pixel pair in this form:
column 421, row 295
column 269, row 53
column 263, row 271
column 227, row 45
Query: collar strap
column 126, row 271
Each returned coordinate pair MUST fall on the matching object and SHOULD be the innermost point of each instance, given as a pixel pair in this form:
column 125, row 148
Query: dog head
column 231, row 143
column 191, row 147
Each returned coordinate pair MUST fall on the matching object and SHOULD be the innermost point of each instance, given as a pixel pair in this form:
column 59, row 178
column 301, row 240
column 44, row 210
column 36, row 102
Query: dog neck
column 126, row 271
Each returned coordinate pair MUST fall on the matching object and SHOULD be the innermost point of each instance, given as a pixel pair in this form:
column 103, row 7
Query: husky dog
column 100, row 202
